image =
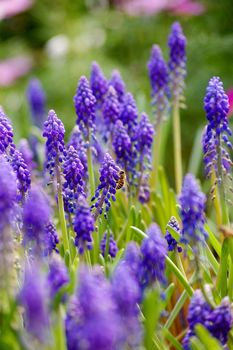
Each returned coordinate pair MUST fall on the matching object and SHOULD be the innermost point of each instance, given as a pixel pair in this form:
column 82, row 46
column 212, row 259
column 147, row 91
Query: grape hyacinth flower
column 34, row 299
column 144, row 190
column 171, row 241
column 22, row 172
column 8, row 195
column 8, row 192
column 89, row 312
column 129, row 113
column 144, row 140
column 112, row 249
column 177, row 60
column 57, row 275
column 159, row 78
column 111, row 109
column 50, row 239
column 126, row 293
column 217, row 321
column 132, row 258
column 54, row 131
column 118, row 84
column 84, row 225
column 98, row 83
column 36, row 215
column 153, row 251
column 76, row 140
column 143, row 143
column 192, row 202
column 37, row 102
column 221, row 321
column 123, row 148
column 109, row 175
column 6, row 135
column 85, row 105
column 27, row 154
column 216, row 157
column 73, row 172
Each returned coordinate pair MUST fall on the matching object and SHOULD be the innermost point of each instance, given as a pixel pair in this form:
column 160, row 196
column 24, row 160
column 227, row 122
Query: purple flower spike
column 121, row 144
column 84, row 225
column 159, row 78
column 109, row 175
column 36, row 215
column 8, row 213
column 27, row 154
column 23, row 174
column 217, row 321
column 118, row 84
column 112, row 245
column 144, row 136
column 192, row 202
column 77, row 141
column 216, row 104
column 33, row 297
column 129, row 113
column 98, row 83
column 85, row 105
column 89, row 312
column 171, row 242
column 153, row 250
column 221, row 321
column 57, row 275
column 8, row 192
column 50, row 239
column 177, row 61
column 6, row 134
column 126, row 293
column 54, row 131
column 73, row 171
column 111, row 108
column 37, row 102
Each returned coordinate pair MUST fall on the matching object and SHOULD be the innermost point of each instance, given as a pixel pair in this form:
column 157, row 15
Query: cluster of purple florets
column 54, row 131
column 216, row 156
column 171, row 241
column 192, row 202
column 106, row 190
column 217, row 321
column 85, row 105
column 111, row 243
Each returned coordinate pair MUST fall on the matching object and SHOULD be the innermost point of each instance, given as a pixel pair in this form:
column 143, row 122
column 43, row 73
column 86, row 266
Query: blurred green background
column 64, row 37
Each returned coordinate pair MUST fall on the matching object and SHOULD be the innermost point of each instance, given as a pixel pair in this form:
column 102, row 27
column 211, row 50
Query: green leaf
column 180, row 276
column 170, row 337
column 151, row 309
column 178, row 306
column 222, row 274
column 207, row 340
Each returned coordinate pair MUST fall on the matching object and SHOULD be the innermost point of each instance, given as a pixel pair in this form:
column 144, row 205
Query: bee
column 121, row 180
column 226, row 231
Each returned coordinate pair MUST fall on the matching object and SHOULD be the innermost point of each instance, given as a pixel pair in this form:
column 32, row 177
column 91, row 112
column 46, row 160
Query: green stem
column 156, row 156
column 222, row 192
column 61, row 211
column 177, row 145
column 59, row 334
column 90, row 167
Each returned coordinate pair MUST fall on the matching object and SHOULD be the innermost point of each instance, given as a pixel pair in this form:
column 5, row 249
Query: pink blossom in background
column 14, row 68
column 9, row 8
column 230, row 96
column 151, row 7
column 187, row 7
